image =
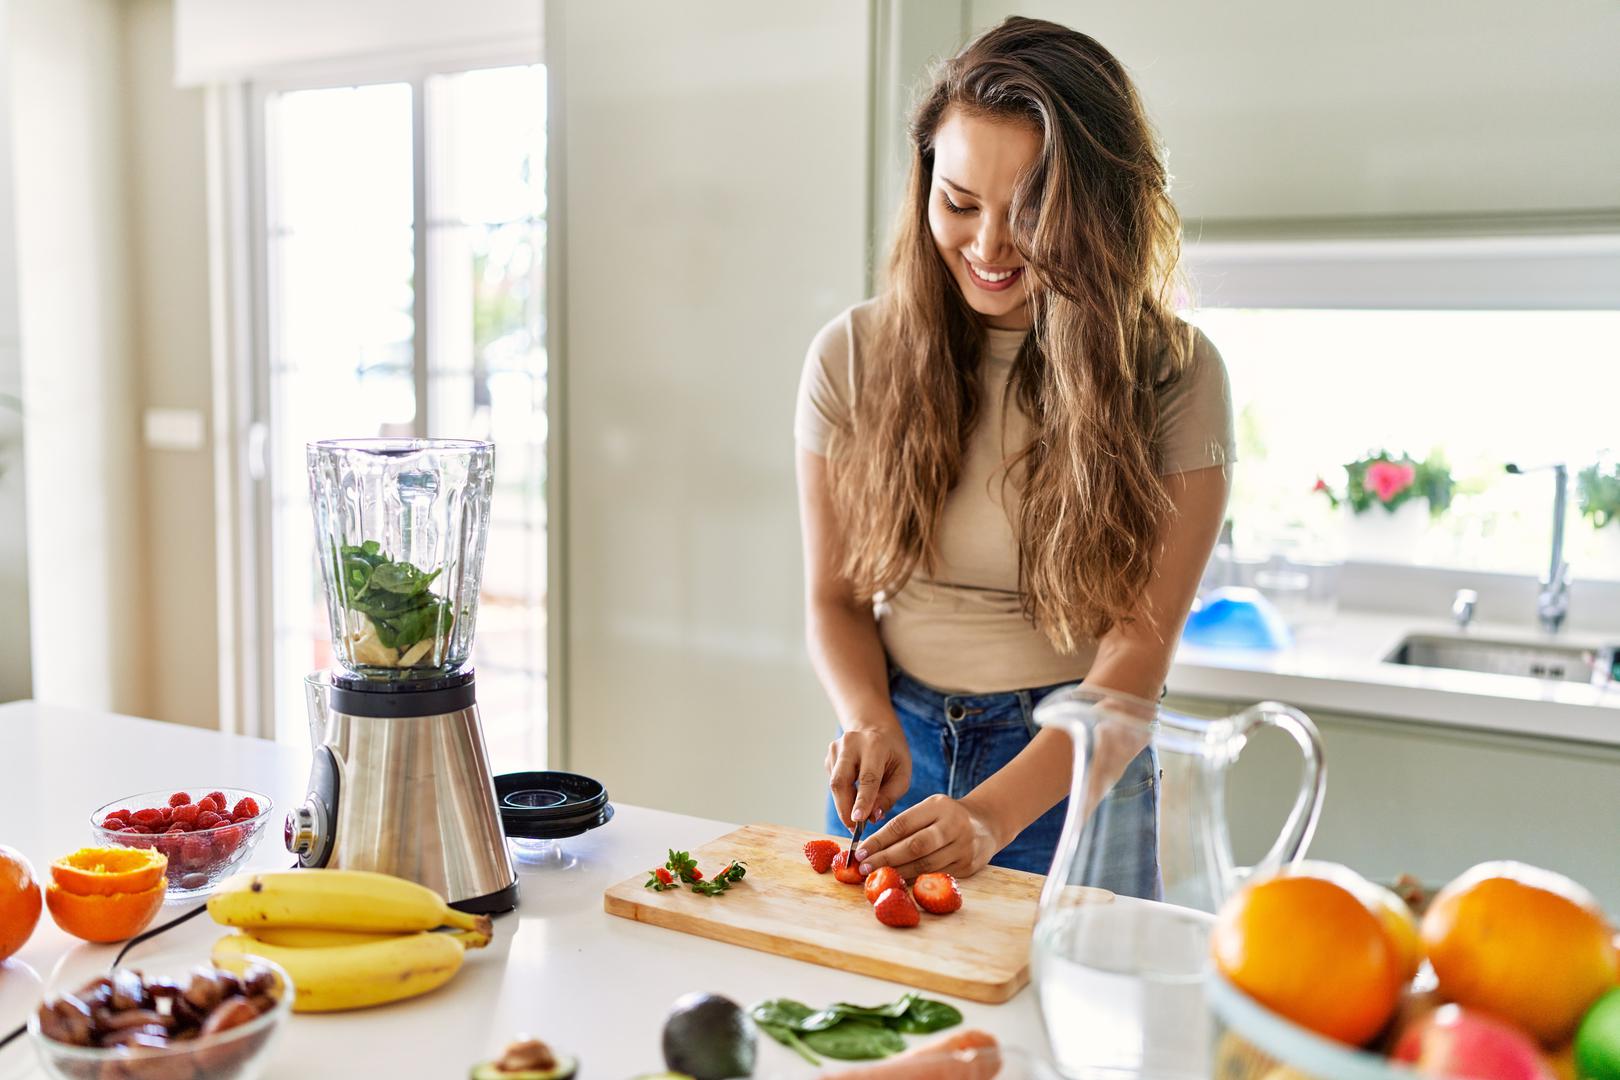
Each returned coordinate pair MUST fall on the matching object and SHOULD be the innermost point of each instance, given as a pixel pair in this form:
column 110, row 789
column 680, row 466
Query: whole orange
column 104, row 917
column 1527, row 944
column 19, row 901
column 1309, row 949
column 1393, row 914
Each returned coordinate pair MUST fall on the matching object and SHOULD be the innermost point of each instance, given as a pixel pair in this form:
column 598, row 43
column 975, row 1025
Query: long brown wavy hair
column 1093, row 221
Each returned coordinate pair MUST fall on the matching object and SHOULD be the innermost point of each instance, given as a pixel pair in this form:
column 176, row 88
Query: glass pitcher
column 400, row 527
column 1120, row 978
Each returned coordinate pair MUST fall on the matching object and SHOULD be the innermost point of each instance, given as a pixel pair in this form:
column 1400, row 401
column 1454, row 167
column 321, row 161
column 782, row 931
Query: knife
column 854, row 838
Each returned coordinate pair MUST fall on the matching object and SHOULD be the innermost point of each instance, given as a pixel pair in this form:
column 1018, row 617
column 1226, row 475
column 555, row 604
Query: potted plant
column 1384, row 497
column 1597, row 490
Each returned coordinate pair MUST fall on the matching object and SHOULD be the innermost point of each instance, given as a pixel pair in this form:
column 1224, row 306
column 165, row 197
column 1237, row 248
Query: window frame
column 1549, row 270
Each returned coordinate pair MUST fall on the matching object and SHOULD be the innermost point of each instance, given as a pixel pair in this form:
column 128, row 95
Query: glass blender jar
column 400, row 527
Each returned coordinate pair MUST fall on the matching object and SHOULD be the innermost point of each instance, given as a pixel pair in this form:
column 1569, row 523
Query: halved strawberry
column 937, row 893
column 881, row 880
column 821, row 854
column 895, row 908
column 849, row 875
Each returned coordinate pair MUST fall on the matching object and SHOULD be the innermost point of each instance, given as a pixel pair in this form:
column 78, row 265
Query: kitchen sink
column 1560, row 663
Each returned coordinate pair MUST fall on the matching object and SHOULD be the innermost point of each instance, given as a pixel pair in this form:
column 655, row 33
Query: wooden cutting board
column 980, row 953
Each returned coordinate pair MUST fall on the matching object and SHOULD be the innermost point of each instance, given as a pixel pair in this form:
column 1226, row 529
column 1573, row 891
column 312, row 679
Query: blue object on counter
column 1237, row 618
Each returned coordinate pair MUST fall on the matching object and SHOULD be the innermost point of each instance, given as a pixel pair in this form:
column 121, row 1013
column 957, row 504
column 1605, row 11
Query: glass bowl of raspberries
column 206, row 833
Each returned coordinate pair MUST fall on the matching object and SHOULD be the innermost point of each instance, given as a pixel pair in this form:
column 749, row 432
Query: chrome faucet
column 1552, row 604
column 1462, row 607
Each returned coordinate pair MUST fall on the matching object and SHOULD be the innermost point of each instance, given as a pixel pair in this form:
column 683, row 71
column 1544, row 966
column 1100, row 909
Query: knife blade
column 854, row 838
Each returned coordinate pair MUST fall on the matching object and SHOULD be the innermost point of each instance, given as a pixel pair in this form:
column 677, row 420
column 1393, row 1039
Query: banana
column 355, row 976
column 303, row 937
column 354, row 900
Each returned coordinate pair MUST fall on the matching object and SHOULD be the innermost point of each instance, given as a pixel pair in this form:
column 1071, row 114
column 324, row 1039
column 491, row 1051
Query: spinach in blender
column 393, row 595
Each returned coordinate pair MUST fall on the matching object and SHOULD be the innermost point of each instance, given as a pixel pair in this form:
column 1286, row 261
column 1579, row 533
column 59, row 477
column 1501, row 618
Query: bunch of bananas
column 347, row 938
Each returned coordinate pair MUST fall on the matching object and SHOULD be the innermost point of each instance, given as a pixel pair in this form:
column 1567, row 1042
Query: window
column 363, row 339
column 1314, row 388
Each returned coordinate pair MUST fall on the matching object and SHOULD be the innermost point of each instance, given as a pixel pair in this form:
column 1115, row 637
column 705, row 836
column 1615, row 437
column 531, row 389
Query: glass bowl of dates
column 203, row 1023
column 206, row 834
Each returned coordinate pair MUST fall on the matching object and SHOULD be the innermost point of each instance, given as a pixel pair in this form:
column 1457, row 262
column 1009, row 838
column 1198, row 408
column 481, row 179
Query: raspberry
column 166, row 814
column 179, row 798
column 177, row 827
column 227, row 840
column 245, row 808
column 120, row 813
column 113, row 822
column 208, row 819
column 219, row 801
column 195, row 852
column 186, row 815
column 142, row 830
column 147, row 817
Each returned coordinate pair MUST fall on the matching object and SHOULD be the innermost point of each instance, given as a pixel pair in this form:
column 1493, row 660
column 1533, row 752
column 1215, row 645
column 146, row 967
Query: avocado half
column 491, row 1070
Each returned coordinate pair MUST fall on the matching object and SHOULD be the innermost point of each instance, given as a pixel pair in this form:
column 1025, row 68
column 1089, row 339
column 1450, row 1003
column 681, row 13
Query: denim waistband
column 965, row 708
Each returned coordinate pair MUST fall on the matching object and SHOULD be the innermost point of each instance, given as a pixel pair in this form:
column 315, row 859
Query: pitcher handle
column 1301, row 823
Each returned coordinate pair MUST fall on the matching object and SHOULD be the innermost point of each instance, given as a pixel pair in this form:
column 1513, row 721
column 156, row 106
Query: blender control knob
column 300, row 831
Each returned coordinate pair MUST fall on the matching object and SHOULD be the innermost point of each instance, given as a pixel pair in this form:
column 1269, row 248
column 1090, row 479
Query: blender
column 400, row 782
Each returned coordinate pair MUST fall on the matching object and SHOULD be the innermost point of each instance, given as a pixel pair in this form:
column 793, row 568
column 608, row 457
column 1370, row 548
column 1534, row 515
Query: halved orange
column 114, row 917
column 109, row 870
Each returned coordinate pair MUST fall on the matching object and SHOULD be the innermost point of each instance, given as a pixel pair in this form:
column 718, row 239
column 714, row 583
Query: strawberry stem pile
column 682, row 868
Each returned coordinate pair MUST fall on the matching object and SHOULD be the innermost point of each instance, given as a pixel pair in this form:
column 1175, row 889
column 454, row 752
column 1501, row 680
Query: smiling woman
column 1012, row 465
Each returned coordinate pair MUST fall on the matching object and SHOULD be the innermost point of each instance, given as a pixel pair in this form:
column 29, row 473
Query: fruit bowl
column 203, row 846
column 1251, row 1042
column 235, row 1053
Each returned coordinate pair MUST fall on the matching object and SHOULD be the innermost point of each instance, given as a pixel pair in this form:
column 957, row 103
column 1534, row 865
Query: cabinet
column 1403, row 796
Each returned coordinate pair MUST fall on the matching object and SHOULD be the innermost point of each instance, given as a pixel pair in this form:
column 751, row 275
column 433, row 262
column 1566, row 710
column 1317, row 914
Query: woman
column 1012, row 467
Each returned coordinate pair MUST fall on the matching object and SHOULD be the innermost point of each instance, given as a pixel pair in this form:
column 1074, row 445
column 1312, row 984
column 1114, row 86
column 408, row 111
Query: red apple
column 1457, row 1042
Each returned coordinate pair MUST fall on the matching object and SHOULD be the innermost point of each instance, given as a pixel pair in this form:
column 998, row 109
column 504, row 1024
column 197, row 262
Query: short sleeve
column 1195, row 414
column 825, row 386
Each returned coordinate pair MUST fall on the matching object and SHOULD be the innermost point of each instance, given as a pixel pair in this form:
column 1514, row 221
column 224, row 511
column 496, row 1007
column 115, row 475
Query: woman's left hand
column 939, row 833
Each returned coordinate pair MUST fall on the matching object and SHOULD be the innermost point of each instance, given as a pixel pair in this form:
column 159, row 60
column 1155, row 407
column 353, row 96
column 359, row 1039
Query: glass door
column 403, row 294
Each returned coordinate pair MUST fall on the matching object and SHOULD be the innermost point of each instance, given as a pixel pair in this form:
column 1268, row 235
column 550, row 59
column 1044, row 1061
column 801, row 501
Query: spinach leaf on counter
column 851, row 1032
column 856, row 1040
column 925, row 1016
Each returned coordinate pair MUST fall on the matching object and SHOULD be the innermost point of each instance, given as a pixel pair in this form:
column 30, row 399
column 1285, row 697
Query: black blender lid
column 550, row 805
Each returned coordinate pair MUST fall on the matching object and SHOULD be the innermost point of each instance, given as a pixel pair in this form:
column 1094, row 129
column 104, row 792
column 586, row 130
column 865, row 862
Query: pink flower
column 1389, row 478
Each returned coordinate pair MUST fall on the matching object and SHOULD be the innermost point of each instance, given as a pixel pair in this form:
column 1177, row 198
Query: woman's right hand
column 868, row 770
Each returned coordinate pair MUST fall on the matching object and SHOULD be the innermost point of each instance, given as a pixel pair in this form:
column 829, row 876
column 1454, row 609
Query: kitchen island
column 559, row 969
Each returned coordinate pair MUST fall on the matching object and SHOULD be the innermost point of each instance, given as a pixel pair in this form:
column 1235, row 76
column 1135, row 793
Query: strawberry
column 820, row 853
column 937, row 893
column 849, row 875
column 881, row 881
column 664, row 876
column 895, row 908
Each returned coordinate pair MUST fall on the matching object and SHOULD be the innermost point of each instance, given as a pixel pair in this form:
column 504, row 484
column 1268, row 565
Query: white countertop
column 559, row 969
column 1337, row 665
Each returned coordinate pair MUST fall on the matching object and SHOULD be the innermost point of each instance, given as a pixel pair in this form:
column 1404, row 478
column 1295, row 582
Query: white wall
column 1275, row 109
column 15, row 679
column 87, row 557
column 167, row 179
column 715, row 217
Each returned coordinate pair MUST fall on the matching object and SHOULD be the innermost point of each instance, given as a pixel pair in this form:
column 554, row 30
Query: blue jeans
column 958, row 741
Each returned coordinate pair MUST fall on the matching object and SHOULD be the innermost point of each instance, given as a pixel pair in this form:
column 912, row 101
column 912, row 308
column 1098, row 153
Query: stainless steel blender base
column 414, row 796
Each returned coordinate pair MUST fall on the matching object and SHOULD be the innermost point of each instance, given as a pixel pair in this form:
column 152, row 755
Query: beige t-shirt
column 963, row 630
